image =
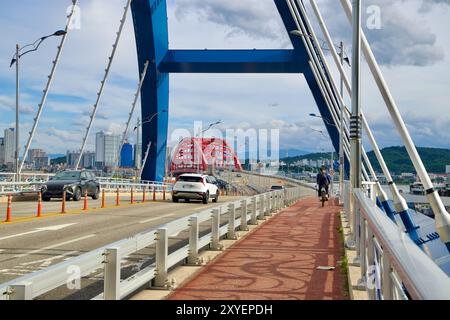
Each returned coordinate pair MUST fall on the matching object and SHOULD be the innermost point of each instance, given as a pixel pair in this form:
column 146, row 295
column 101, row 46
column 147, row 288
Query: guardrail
column 109, row 257
column 392, row 266
column 16, row 188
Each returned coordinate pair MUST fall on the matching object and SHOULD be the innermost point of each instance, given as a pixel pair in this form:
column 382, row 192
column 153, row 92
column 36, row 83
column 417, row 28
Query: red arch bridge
column 203, row 155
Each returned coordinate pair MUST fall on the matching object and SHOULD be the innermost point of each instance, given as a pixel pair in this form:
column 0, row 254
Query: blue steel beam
column 152, row 42
column 232, row 61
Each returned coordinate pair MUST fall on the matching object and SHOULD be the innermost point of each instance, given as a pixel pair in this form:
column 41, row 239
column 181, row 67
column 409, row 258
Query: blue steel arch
column 152, row 42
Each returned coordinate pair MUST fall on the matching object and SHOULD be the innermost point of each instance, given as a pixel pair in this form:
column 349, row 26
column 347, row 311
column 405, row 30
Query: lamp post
column 341, row 149
column 16, row 60
column 210, row 126
column 332, row 156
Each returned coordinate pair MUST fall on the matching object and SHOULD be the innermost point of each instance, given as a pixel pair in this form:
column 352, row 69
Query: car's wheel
column 175, row 199
column 216, row 198
column 96, row 195
column 206, row 198
column 77, row 194
column 46, row 199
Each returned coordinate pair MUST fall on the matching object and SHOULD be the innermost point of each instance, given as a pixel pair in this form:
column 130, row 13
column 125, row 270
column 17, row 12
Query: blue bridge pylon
column 152, row 41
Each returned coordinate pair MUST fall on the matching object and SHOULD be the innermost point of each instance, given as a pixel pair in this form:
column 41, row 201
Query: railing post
column 362, row 283
column 162, row 250
column 261, row 208
column 231, row 222
column 268, row 207
column 22, row 291
column 154, row 193
column 111, row 283
column 386, row 276
column 244, row 216
column 117, row 197
column 215, row 229
column 254, row 219
column 371, row 287
column 193, row 241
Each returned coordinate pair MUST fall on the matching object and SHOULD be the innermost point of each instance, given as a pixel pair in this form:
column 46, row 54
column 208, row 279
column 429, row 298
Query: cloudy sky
column 412, row 47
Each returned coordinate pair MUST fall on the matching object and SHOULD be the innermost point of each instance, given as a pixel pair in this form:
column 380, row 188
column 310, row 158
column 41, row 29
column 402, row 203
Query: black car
column 75, row 183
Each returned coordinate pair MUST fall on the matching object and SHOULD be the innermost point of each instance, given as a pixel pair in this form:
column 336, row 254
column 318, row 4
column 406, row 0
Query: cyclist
column 323, row 180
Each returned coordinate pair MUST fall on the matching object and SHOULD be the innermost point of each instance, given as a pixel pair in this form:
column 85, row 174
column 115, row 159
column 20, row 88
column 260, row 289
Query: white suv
column 196, row 187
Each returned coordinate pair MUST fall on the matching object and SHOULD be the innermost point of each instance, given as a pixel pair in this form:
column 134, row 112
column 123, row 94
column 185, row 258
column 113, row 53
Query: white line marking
column 157, row 218
column 51, row 228
column 48, row 260
column 54, row 246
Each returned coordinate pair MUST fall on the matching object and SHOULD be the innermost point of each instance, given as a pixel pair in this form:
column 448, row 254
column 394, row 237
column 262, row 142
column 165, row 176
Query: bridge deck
column 278, row 261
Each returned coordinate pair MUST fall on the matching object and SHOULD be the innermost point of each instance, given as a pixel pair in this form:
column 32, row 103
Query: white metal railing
column 392, row 266
column 108, row 184
column 109, row 257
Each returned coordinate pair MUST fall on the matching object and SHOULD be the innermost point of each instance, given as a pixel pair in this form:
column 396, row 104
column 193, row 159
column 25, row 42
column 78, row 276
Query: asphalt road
column 36, row 244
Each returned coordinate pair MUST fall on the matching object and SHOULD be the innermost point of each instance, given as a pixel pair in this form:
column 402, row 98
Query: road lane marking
column 157, row 218
column 47, row 261
column 51, row 228
column 54, row 246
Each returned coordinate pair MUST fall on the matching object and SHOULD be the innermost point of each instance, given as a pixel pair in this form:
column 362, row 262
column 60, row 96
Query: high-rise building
column 10, row 145
column 99, row 150
column 138, row 155
column 72, row 158
column 106, row 149
column 87, row 160
column 41, row 162
column 2, row 151
column 126, row 156
column 38, row 159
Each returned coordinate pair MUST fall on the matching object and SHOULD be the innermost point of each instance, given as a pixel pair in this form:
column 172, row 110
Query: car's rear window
column 190, row 179
column 276, row 187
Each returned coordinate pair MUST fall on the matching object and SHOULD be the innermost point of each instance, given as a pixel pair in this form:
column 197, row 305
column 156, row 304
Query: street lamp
column 332, row 156
column 209, row 127
column 341, row 150
column 16, row 60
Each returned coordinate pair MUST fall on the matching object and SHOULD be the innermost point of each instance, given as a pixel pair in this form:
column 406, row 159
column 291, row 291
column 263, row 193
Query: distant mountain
column 292, row 153
column 60, row 160
column 398, row 160
column 310, row 156
column 56, row 155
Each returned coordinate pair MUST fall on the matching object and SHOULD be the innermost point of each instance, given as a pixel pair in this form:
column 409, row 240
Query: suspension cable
column 103, row 82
